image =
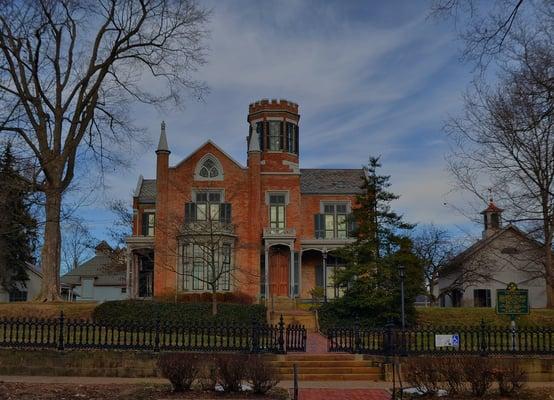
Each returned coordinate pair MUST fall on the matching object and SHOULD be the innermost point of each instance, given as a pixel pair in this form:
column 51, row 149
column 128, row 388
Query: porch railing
column 61, row 333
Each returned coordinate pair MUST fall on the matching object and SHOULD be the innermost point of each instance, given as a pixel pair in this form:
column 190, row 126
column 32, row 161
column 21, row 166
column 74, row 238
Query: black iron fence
column 61, row 333
column 482, row 339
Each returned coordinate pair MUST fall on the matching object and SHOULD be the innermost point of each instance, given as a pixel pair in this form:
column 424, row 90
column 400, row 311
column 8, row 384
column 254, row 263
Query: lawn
column 437, row 316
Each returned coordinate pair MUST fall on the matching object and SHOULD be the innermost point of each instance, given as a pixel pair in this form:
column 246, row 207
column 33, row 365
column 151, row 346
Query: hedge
column 147, row 311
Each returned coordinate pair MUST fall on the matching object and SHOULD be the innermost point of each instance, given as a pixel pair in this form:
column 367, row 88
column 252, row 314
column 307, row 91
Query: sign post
column 512, row 301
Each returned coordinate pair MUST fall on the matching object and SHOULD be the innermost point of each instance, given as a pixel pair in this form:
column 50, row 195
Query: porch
column 140, row 267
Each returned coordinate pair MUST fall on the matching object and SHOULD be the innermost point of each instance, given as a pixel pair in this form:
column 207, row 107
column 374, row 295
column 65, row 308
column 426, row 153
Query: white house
column 25, row 292
column 101, row 278
column 503, row 255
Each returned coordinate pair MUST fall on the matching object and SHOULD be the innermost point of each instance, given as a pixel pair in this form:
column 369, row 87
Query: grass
column 468, row 316
column 72, row 310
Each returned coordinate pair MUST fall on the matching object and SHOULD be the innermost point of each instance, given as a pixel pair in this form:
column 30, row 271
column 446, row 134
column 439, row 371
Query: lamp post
column 402, row 272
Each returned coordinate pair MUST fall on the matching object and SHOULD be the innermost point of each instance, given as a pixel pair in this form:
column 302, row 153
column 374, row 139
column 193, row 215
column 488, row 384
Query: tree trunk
column 50, row 254
column 214, row 301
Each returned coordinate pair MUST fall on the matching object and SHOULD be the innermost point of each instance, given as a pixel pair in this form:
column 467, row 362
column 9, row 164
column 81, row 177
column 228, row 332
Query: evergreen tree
column 17, row 226
column 371, row 273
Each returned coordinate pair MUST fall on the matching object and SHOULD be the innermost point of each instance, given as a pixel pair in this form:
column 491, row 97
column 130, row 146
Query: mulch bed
column 41, row 391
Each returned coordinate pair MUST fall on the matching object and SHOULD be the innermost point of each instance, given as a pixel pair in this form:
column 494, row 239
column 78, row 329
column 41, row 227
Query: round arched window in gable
column 209, row 168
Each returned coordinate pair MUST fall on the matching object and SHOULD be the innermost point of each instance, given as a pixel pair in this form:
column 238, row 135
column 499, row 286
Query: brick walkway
column 316, row 343
column 343, row 394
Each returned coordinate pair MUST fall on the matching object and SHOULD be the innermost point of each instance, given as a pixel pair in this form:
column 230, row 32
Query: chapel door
column 279, row 271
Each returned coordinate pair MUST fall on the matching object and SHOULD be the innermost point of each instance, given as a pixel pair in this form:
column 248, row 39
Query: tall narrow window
column 148, row 223
column 277, row 211
column 482, row 297
column 335, row 221
column 208, row 206
column 275, row 135
column 290, row 137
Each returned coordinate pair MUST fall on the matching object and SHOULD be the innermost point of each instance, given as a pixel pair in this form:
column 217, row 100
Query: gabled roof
column 482, row 243
column 239, row 165
column 101, row 267
column 331, row 181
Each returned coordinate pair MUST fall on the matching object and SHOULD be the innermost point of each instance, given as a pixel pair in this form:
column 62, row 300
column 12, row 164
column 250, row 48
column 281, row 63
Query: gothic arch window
column 208, row 169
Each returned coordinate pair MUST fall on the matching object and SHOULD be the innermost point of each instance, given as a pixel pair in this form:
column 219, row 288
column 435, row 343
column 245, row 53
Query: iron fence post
column 61, row 345
column 255, row 339
column 281, row 340
column 388, row 339
column 157, row 334
column 357, row 341
column 295, row 382
column 482, row 337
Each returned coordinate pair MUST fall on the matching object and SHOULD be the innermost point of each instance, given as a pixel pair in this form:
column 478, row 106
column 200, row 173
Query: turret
column 274, row 132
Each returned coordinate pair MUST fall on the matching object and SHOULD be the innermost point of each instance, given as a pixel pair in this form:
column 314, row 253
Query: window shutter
column 296, row 273
column 266, row 135
column 225, row 213
column 282, row 145
column 262, row 274
column 190, row 212
column 260, row 130
column 296, row 139
column 319, row 226
column 352, row 225
column 319, row 276
column 144, row 224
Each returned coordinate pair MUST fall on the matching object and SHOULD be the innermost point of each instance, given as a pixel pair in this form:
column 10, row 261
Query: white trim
column 322, row 204
column 200, row 164
column 278, row 192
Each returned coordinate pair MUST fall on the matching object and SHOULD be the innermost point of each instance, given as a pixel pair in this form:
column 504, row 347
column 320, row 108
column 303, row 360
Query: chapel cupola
column 492, row 218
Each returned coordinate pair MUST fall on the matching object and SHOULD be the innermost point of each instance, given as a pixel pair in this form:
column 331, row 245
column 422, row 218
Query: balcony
column 279, row 233
column 207, row 228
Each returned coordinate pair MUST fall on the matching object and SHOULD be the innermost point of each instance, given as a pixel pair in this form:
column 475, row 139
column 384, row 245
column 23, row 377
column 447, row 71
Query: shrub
column 207, row 377
column 423, row 373
column 206, row 297
column 451, row 371
column 510, row 377
column 261, row 374
column 181, row 369
column 479, row 373
column 231, row 370
column 146, row 312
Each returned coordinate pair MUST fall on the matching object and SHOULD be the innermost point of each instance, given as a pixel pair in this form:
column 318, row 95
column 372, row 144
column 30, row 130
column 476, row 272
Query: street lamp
column 402, row 273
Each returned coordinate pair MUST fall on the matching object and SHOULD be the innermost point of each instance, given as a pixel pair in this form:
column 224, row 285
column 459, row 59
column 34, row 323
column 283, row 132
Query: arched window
column 208, row 168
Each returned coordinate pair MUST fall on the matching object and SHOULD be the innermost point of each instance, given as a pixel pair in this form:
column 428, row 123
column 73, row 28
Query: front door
column 279, row 271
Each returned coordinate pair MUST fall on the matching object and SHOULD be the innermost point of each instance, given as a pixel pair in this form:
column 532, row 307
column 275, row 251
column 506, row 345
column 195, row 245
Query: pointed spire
column 162, row 144
column 254, row 144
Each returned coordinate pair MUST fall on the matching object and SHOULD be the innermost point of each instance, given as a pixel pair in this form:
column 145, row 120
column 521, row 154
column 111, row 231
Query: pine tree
column 371, row 273
column 17, row 226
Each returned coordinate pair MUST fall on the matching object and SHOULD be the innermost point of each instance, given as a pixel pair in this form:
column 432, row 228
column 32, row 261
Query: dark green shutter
column 296, row 274
column 352, row 225
column 296, row 139
column 319, row 226
column 190, row 212
column 225, row 213
column 319, row 276
column 145, row 224
column 262, row 274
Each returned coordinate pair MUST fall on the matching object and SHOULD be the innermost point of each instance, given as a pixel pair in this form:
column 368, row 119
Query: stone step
column 329, row 364
column 330, row 370
column 333, row 377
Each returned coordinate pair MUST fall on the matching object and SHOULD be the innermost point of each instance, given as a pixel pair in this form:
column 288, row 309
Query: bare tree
column 69, row 69
column 436, row 248
column 123, row 222
column 505, row 139
column 77, row 243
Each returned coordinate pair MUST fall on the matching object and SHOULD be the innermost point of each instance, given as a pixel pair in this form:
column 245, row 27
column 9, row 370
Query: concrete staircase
column 327, row 367
column 286, row 307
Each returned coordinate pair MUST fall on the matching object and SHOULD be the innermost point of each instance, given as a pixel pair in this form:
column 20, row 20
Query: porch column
column 128, row 282
column 291, row 273
column 266, row 272
column 324, row 254
column 300, row 273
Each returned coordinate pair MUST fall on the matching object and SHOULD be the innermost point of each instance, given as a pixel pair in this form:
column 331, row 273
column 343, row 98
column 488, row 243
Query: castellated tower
column 274, row 132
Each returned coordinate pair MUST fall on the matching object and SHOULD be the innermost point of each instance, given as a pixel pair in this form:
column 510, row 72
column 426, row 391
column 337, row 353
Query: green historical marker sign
column 512, row 301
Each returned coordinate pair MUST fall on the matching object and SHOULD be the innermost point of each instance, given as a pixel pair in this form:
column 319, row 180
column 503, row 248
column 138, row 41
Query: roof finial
column 162, row 144
column 490, row 195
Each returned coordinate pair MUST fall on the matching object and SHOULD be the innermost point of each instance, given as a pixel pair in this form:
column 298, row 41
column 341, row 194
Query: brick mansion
column 279, row 224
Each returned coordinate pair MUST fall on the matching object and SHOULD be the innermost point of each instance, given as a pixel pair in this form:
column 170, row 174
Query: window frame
column 280, row 209
column 208, row 206
column 335, row 214
column 151, row 227
column 478, row 298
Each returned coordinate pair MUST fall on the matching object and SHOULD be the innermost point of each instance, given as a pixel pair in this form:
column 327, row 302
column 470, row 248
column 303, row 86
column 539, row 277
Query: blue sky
column 371, row 78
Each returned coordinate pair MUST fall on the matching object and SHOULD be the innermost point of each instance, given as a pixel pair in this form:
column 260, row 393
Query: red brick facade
column 258, row 240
